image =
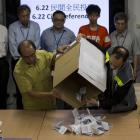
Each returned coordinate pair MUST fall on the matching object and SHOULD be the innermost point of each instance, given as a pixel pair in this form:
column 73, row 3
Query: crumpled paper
column 84, row 124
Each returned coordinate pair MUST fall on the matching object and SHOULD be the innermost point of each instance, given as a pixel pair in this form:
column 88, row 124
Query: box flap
column 92, row 64
column 66, row 64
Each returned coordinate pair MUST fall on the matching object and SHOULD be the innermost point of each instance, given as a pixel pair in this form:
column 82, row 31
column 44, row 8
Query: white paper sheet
column 92, row 64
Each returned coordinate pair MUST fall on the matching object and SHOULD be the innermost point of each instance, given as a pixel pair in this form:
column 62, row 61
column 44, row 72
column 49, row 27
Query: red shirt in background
column 101, row 35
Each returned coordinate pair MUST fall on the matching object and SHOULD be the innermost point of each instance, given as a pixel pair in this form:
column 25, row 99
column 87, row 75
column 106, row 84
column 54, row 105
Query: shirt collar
column 64, row 29
column 21, row 26
column 123, row 34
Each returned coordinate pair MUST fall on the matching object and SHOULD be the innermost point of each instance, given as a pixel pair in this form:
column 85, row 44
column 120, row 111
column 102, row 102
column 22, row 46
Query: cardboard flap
column 66, row 64
column 92, row 64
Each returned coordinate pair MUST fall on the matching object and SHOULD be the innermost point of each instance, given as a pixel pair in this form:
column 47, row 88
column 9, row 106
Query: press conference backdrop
column 42, row 10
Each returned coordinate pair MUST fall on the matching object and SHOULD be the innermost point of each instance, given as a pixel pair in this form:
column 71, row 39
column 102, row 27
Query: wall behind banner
column 114, row 5
column 41, row 12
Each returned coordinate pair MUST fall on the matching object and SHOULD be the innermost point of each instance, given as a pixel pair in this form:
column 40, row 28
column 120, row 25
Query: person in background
column 4, row 67
column 123, row 37
column 57, row 36
column 119, row 95
column 33, row 77
column 23, row 29
column 93, row 30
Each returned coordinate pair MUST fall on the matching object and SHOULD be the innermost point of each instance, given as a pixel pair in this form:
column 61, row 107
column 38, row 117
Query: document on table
column 92, row 64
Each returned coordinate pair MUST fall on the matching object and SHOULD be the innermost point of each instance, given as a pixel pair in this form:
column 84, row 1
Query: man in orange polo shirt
column 93, row 30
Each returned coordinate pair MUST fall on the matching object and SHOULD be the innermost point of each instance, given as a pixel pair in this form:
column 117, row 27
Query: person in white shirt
column 122, row 36
column 4, row 67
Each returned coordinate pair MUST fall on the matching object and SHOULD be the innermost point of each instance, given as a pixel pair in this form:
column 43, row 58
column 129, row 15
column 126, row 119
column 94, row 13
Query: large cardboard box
column 71, row 73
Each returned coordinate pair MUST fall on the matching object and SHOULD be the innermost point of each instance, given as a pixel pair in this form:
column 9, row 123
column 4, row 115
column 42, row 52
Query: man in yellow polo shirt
column 33, row 76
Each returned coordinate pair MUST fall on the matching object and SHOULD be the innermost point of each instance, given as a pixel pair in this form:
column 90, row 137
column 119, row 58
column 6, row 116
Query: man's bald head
column 27, row 51
column 25, row 45
column 120, row 52
column 118, row 57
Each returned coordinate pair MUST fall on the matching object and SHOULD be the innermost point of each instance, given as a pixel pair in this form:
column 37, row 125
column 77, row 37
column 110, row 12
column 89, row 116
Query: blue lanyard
column 25, row 37
column 57, row 42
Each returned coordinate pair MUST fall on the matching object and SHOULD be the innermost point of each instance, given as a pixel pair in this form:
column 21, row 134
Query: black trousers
column 4, row 76
column 18, row 94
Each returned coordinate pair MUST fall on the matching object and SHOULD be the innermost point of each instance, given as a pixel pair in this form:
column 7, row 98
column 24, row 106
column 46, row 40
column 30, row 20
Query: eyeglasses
column 58, row 20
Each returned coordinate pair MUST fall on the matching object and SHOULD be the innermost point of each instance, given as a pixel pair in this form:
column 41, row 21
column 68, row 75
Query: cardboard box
column 67, row 80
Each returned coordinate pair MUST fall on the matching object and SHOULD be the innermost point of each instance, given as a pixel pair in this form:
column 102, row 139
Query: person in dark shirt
column 119, row 95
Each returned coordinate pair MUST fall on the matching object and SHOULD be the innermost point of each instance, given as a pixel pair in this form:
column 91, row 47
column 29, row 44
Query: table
column 38, row 125
column 125, row 125
column 137, row 92
column 21, row 123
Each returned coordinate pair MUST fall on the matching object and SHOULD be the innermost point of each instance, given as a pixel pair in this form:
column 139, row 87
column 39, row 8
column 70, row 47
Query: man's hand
column 92, row 101
column 62, row 49
column 56, row 93
column 78, row 38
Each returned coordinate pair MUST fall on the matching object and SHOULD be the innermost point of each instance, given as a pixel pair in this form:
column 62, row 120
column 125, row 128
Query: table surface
column 21, row 123
column 38, row 125
column 124, row 125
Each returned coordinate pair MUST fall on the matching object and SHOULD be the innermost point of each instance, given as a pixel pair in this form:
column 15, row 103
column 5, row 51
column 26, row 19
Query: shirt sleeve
column 107, row 102
column 12, row 42
column 37, row 37
column 73, row 37
column 24, row 84
column 80, row 30
column 135, row 46
column 4, row 41
column 107, row 40
column 49, row 57
column 42, row 42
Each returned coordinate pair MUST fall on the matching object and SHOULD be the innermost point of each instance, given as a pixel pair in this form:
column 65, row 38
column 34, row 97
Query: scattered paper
column 84, row 124
column 62, row 130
